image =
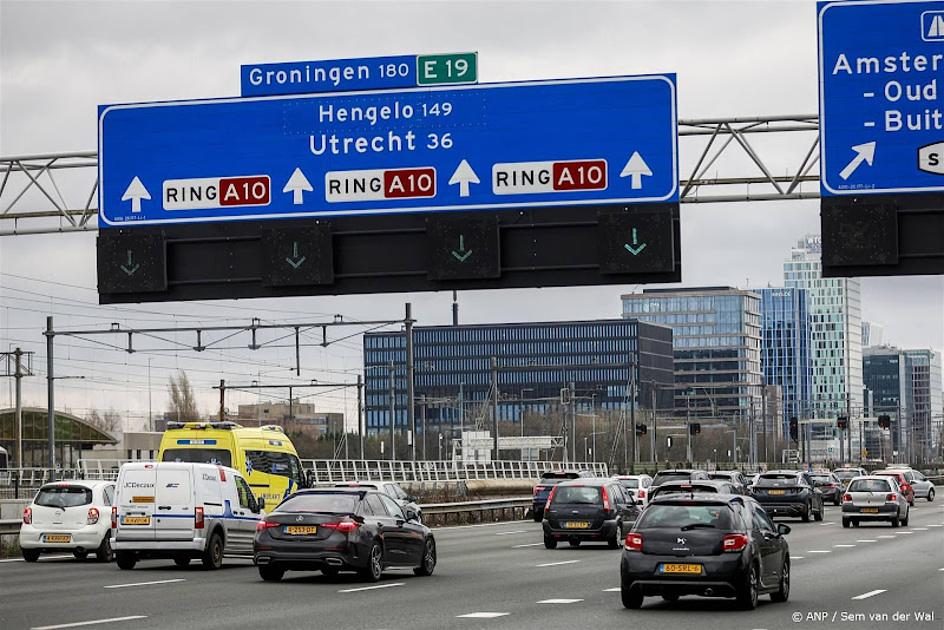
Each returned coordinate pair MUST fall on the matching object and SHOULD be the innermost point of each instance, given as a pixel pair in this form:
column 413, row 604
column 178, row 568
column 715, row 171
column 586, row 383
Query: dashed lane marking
column 866, row 540
column 517, row 531
column 45, row 558
column 559, row 601
column 796, row 557
column 819, row 551
column 827, row 523
column 877, row 591
column 919, row 529
column 557, row 564
column 94, row 622
column 843, row 546
column 146, row 583
column 371, row 588
column 886, row 536
column 905, row 532
column 482, row 615
column 527, row 545
column 618, row 589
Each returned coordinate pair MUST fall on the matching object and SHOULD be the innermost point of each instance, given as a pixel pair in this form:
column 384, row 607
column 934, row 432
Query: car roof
column 887, row 473
column 86, row 483
column 628, row 476
column 724, row 472
column 781, row 472
column 707, row 498
column 711, row 483
column 585, row 481
column 679, row 470
column 879, row 477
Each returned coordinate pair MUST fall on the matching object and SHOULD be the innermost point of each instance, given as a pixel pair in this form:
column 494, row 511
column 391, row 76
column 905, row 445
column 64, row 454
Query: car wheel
column 837, row 501
column 911, row 501
column 613, row 542
column 374, row 568
column 270, row 573
column 930, row 495
column 845, row 523
column 550, row 543
column 80, row 554
column 855, row 522
column 573, row 542
column 632, row 597
column 30, row 555
column 126, row 560
column 428, row 564
column 806, row 513
column 747, row 594
column 104, row 552
column 904, row 521
column 894, row 522
column 538, row 516
column 782, row 593
column 818, row 516
column 182, row 561
column 212, row 557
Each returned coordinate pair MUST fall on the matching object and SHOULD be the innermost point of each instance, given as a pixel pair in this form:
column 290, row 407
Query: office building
column 298, row 418
column 886, row 375
column 924, row 366
column 716, row 342
column 872, row 334
column 535, row 361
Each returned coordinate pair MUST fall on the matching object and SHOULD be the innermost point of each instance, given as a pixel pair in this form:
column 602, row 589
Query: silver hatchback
column 874, row 498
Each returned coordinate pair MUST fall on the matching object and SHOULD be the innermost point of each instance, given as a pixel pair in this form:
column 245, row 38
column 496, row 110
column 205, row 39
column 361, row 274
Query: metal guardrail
column 460, row 507
column 10, row 526
column 328, row 470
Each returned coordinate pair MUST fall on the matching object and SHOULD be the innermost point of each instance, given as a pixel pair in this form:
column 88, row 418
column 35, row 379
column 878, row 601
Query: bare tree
column 183, row 404
column 108, row 421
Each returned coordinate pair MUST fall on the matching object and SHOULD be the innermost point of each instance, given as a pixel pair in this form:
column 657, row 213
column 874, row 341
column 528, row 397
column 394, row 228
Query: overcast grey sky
column 59, row 60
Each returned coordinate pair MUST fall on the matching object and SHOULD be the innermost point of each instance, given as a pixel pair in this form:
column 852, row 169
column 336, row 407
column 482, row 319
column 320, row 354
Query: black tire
column 782, row 593
column 374, row 568
column 846, row 523
column 212, row 556
column 80, row 554
column 30, row 555
column 818, row 516
column 613, row 542
column 930, row 495
column 632, row 597
column 538, row 516
column 911, row 503
column 182, row 561
column 126, row 560
column 104, row 553
column 271, row 573
column 894, row 522
column 748, row 592
column 837, row 502
column 573, row 542
column 855, row 522
column 904, row 521
column 428, row 563
column 550, row 543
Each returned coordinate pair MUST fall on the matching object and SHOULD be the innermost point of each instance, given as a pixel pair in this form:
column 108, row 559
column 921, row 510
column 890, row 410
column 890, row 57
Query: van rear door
column 135, row 502
column 174, row 512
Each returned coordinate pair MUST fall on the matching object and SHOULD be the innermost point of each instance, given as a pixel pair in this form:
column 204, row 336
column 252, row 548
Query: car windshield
column 629, row 483
column 327, row 502
column 776, row 480
column 662, row 477
column 215, row 456
column 845, row 474
column 63, row 496
column 577, row 495
column 685, row 516
column 820, row 479
column 869, row 485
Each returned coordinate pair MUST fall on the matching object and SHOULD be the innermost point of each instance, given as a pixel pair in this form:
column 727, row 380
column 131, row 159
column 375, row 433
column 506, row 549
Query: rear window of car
column 896, row 475
column 777, row 480
column 678, row 516
column 215, row 456
column 557, row 477
column 629, row 483
column 821, row 478
column 869, row 485
column 328, row 502
column 661, row 478
column 720, row 476
column 63, row 496
column 578, row 495
column 685, row 488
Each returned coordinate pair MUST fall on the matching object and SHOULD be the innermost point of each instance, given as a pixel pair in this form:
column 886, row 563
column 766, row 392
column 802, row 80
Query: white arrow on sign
column 297, row 184
column 136, row 192
column 635, row 168
column 864, row 153
column 464, row 176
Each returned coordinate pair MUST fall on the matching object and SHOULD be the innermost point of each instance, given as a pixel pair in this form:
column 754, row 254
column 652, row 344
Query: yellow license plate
column 301, row 530
column 577, row 524
column 777, row 492
column 58, row 538
column 870, row 510
column 686, row 569
column 142, row 499
column 136, row 520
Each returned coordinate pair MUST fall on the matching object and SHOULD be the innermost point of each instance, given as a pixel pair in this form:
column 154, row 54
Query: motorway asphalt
column 496, row 576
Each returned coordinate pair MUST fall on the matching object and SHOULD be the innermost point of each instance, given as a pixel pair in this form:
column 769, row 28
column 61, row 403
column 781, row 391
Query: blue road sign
column 881, row 120
column 338, row 75
column 506, row 145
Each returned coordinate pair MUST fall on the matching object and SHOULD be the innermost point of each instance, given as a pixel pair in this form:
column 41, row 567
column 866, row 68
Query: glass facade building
column 785, row 348
column 835, row 310
column 887, row 380
column 716, row 342
column 452, row 368
column 925, row 374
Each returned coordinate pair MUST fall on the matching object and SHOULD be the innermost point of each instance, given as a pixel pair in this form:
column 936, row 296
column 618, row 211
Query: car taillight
column 641, row 494
column 847, row 498
column 633, row 542
column 262, row 526
column 198, row 517
column 92, row 516
column 734, row 542
column 550, row 498
column 891, row 498
column 28, row 516
column 538, row 490
column 606, row 499
column 345, row 527
column 114, row 517
column 905, row 487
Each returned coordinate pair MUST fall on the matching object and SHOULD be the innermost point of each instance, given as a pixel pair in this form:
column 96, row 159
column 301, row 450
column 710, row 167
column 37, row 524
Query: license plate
column 136, row 520
column 870, row 510
column 301, row 530
column 58, row 538
column 685, row 569
column 577, row 524
column 142, row 499
column 778, row 492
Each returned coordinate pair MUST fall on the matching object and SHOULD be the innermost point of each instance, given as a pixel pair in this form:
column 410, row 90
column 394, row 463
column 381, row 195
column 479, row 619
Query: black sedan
column 789, row 493
column 588, row 510
column 334, row 530
column 829, row 484
column 708, row 544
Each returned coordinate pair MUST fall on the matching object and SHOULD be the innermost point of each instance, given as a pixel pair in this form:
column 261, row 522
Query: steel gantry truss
column 728, row 160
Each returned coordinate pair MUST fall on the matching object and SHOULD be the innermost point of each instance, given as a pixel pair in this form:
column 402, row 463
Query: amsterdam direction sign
column 476, row 147
column 881, row 71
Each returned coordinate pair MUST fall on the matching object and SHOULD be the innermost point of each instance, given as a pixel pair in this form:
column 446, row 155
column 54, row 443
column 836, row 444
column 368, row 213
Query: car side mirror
column 782, row 529
column 410, row 514
column 260, row 504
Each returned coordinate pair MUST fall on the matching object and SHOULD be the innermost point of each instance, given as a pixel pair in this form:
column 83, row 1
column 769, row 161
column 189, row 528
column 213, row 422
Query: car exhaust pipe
column 709, row 592
column 334, row 562
column 263, row 560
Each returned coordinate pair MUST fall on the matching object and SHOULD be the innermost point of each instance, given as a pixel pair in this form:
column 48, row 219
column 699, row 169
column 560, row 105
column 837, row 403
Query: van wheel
column 30, row 555
column 374, row 568
column 270, row 573
column 182, row 561
column 104, row 552
column 126, row 560
column 212, row 558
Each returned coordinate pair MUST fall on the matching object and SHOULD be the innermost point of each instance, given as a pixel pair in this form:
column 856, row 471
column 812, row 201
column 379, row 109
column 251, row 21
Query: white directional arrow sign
column 635, row 169
column 297, row 184
column 864, row 153
column 464, row 176
column 136, row 192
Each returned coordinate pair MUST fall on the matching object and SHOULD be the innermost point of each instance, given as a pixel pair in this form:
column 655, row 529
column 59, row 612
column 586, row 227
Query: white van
column 182, row 511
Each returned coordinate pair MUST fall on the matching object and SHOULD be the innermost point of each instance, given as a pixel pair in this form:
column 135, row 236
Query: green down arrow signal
column 463, row 254
column 635, row 248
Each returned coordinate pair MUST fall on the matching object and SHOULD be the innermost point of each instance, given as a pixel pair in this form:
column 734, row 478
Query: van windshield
column 274, row 463
column 215, row 456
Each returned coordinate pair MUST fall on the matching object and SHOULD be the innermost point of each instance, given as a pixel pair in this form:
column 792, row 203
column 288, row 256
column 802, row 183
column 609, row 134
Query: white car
column 923, row 487
column 69, row 516
column 182, row 511
column 637, row 486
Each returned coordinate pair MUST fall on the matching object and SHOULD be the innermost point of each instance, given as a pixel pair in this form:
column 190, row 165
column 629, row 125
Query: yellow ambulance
column 264, row 455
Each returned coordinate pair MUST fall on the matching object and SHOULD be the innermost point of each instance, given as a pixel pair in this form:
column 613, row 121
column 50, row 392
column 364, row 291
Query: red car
column 906, row 489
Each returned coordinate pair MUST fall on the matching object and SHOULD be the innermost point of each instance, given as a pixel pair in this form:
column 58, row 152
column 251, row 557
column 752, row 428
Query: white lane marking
column 90, row 623
column 146, row 583
column 886, row 536
column 618, row 589
column 557, row 564
column 41, row 559
column 919, row 529
column 935, row 525
column 827, row 523
column 877, row 591
column 559, row 601
column 905, row 532
column 866, row 540
column 941, row 569
column 481, row 615
column 517, row 531
column 796, row 557
column 527, row 545
column 371, row 588
column 819, row 551
column 843, row 546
